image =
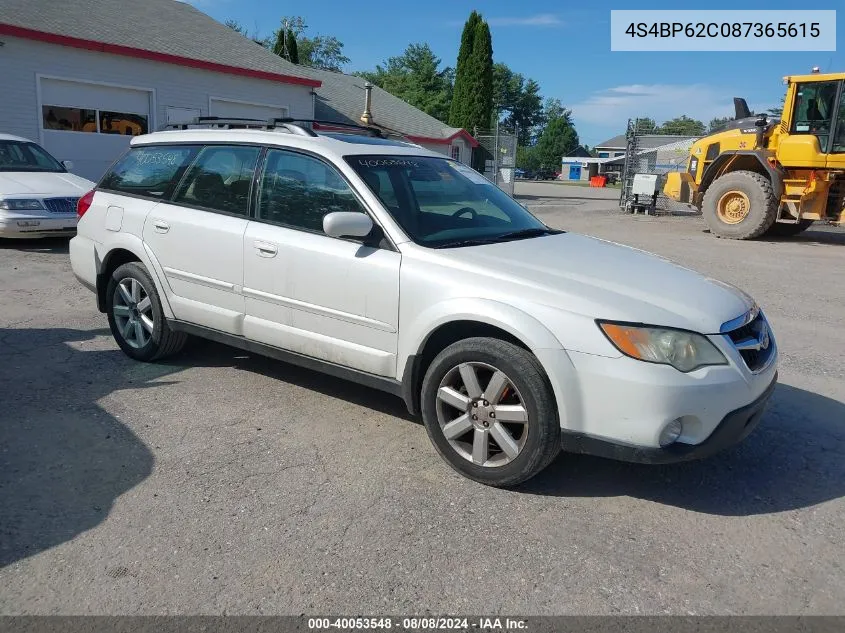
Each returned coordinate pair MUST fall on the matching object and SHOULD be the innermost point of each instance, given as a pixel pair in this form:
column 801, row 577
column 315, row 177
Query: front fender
column 537, row 337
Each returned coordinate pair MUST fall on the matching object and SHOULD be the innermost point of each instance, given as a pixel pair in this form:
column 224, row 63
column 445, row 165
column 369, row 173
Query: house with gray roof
column 81, row 77
column 352, row 99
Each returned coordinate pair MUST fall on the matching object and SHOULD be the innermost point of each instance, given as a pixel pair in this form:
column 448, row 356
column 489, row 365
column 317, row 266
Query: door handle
column 161, row 226
column 266, row 249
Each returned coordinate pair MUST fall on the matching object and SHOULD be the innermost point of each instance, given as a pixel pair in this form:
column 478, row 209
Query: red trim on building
column 445, row 141
column 166, row 58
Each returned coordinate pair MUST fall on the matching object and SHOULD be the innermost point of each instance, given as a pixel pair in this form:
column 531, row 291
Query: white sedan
column 38, row 195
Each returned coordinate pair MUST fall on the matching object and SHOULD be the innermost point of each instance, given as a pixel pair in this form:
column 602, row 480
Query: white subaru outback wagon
column 381, row 262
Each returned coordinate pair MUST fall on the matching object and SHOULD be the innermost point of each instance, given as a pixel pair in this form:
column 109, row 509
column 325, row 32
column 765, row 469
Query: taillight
column 84, row 203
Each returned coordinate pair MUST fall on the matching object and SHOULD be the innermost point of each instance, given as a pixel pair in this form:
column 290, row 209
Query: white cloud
column 541, row 19
column 614, row 106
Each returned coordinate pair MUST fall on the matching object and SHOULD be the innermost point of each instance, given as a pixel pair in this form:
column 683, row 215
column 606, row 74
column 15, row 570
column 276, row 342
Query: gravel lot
column 225, row 483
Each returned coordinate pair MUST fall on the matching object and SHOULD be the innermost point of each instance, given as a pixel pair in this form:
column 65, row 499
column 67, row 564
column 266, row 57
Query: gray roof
column 644, row 141
column 161, row 26
column 341, row 98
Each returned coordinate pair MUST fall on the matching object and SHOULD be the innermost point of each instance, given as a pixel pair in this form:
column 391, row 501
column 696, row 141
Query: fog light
column 671, row 432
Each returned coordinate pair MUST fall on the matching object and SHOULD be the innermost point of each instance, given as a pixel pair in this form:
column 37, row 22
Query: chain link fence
column 495, row 158
column 656, row 154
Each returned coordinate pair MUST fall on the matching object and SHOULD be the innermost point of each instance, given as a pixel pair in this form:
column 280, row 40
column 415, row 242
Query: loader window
column 839, row 139
column 813, row 112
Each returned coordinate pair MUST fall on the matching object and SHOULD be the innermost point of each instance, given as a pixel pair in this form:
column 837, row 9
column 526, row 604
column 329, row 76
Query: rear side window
column 220, row 179
column 150, row 171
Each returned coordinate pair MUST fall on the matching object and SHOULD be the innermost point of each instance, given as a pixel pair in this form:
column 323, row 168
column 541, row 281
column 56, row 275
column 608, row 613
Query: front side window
column 813, row 111
column 152, row 171
column 26, row 156
column 220, row 179
column 298, row 191
column 443, row 203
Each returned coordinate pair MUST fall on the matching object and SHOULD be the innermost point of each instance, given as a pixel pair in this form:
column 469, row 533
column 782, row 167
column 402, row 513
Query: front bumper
column 734, row 427
column 21, row 225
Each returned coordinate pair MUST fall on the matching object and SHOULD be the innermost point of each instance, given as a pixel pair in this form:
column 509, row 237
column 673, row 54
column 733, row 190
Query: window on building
column 122, row 123
column 152, row 171
column 90, row 120
column 604, row 154
column 456, row 152
column 69, row 119
column 220, row 179
column 298, row 191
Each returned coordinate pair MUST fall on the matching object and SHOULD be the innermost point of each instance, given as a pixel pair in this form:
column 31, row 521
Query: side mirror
column 68, row 164
column 347, row 224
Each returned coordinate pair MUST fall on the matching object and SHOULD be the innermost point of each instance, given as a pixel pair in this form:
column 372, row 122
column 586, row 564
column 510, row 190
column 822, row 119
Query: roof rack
column 377, row 132
column 234, row 123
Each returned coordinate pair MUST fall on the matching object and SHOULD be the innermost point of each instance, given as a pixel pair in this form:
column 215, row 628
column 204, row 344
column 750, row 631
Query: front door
column 198, row 237
column 332, row 299
column 575, row 172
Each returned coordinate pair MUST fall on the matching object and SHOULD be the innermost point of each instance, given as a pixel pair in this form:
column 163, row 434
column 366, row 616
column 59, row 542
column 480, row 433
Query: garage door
column 240, row 110
column 91, row 124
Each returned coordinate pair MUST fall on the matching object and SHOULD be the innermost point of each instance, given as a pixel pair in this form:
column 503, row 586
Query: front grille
column 61, row 205
column 754, row 342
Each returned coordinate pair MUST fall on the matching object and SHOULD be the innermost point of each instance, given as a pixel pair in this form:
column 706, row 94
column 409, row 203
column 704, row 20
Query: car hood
column 605, row 280
column 32, row 183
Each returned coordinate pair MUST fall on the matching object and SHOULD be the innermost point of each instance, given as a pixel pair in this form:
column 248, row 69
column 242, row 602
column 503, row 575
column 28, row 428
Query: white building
column 82, row 76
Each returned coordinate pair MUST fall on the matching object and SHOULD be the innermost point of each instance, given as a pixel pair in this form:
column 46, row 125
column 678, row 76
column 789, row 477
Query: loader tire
column 740, row 205
column 779, row 229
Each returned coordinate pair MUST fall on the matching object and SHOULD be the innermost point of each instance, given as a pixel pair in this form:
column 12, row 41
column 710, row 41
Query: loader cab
column 813, row 124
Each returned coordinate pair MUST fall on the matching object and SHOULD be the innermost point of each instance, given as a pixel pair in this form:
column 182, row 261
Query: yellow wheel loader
column 759, row 175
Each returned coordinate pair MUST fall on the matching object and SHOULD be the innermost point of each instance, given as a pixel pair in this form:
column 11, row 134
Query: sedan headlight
column 21, row 204
column 683, row 350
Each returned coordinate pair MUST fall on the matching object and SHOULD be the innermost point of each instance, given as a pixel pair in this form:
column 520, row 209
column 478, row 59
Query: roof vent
column 367, row 117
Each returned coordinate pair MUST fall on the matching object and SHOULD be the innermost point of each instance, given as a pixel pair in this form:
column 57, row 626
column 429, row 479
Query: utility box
column 644, row 192
column 644, row 185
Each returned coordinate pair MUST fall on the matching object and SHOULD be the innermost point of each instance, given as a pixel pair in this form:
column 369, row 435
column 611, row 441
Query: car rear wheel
column 489, row 410
column 136, row 317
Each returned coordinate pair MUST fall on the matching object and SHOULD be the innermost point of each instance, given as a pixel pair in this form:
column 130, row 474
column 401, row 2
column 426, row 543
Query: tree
column 284, row 44
column 321, row 51
column 777, row 111
column 718, row 122
column 645, row 125
column 527, row 158
column 458, row 107
column 519, row 98
column 472, row 101
column 240, row 28
column 416, row 77
column 682, row 126
column 558, row 137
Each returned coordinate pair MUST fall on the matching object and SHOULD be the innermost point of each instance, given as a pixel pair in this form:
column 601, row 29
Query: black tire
column 163, row 341
column 762, row 210
column 779, row 229
column 525, row 373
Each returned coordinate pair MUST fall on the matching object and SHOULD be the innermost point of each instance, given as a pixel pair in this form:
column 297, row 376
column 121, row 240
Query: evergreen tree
column 462, row 94
column 481, row 62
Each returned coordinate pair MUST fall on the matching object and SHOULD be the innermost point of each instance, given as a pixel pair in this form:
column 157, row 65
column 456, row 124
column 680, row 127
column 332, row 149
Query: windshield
column 25, row 156
column 442, row 203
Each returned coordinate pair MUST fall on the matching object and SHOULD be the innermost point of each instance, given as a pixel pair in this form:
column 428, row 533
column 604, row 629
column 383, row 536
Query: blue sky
column 564, row 45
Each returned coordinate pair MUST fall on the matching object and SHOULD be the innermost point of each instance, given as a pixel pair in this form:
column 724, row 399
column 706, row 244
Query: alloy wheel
column 487, row 425
column 133, row 312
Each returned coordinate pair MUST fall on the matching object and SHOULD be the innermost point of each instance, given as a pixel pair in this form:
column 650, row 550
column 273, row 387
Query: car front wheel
column 136, row 317
column 489, row 410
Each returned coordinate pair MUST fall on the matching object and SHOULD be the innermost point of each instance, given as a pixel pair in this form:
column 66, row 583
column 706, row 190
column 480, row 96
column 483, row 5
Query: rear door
column 197, row 237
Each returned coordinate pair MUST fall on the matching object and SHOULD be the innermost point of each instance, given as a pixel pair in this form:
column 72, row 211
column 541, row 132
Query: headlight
column 683, row 350
column 21, row 204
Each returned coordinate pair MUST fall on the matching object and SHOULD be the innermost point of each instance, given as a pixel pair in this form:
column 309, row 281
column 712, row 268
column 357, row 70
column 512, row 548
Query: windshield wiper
column 524, row 233
column 495, row 239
